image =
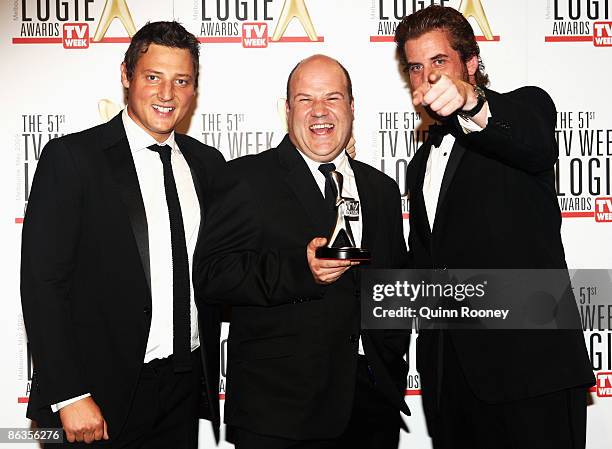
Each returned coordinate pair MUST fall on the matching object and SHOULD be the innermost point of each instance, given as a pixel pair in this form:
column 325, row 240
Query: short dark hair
column 349, row 83
column 458, row 29
column 169, row 34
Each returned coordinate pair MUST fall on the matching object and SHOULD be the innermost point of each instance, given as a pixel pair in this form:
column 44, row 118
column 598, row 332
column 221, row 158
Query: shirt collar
column 341, row 161
column 138, row 138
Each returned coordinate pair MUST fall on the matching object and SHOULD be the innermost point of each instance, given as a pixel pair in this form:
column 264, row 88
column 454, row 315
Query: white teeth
column 322, row 126
column 162, row 108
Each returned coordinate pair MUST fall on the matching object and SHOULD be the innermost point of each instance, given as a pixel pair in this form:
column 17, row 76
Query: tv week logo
column 602, row 34
column 75, row 35
column 603, row 209
column 604, row 384
column 255, row 35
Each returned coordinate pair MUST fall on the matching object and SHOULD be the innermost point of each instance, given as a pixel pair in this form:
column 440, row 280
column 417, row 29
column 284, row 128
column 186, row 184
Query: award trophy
column 341, row 243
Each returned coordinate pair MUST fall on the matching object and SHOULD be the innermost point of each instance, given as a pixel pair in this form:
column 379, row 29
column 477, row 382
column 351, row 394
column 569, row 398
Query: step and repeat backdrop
column 61, row 62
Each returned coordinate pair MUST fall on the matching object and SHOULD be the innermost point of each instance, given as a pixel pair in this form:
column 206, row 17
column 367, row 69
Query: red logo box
column 604, row 384
column 603, row 209
column 255, row 35
column 602, row 34
column 76, row 35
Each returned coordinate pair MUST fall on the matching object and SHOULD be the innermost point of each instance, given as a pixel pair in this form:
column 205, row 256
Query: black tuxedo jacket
column 85, row 281
column 292, row 365
column 498, row 209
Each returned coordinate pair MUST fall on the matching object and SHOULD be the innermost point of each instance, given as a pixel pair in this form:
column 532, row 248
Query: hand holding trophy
column 341, row 243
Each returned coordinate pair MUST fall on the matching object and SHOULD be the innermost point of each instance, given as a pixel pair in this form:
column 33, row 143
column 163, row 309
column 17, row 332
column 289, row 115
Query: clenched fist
column 83, row 421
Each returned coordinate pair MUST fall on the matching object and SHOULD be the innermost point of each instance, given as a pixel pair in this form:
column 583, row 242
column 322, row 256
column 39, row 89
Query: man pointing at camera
column 482, row 196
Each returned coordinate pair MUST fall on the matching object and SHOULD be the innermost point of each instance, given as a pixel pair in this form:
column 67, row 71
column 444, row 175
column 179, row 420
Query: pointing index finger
column 434, row 77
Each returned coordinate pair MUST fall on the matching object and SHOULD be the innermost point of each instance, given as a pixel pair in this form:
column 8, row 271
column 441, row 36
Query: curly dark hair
column 458, row 29
column 168, row 34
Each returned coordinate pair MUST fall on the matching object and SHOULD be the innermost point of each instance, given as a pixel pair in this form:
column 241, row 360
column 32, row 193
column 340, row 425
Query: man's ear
column 124, row 78
column 287, row 108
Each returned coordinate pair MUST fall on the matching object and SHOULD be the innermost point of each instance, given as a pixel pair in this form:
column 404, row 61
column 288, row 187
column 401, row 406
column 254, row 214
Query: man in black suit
column 120, row 351
column 300, row 372
column 482, row 195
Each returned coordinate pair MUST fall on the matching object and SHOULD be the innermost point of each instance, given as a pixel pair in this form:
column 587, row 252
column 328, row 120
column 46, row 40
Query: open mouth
column 321, row 129
column 163, row 109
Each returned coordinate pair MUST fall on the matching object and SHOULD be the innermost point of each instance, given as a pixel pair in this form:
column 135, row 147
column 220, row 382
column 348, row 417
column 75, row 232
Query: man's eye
column 152, row 77
column 414, row 68
column 182, row 82
column 439, row 62
column 304, row 100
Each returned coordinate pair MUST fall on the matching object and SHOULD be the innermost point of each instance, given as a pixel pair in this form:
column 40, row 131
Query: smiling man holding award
column 301, row 373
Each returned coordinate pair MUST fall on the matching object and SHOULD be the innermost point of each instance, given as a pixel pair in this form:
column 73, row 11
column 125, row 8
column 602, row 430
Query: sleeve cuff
column 60, row 405
column 468, row 126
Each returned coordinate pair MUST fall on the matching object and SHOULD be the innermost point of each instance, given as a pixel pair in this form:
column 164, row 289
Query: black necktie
column 437, row 132
column 330, row 192
column 180, row 268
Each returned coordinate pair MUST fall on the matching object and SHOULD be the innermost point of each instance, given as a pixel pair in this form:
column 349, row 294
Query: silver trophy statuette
column 341, row 243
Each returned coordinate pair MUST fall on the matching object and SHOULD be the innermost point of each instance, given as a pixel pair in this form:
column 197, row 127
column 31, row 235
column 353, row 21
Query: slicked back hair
column 167, row 34
column 457, row 28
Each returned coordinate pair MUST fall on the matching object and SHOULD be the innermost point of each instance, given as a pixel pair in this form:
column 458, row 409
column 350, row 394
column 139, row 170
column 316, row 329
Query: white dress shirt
column 436, row 166
column 349, row 190
column 150, row 174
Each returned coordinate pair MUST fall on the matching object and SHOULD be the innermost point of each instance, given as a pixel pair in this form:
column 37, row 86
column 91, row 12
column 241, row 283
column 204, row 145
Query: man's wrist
column 60, row 405
column 475, row 101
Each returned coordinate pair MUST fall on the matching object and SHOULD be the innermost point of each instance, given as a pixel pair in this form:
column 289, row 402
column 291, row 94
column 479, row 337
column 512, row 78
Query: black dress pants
column 457, row 419
column 374, row 423
column 164, row 410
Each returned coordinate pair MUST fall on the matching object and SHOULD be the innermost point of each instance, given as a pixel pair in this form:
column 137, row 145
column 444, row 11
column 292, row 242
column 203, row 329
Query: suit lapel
column 451, row 167
column 122, row 168
column 299, row 178
column 368, row 204
column 198, row 173
column 418, row 212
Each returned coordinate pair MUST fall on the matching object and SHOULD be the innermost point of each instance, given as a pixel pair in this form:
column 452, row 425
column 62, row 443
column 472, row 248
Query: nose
column 165, row 92
column 424, row 75
column 319, row 109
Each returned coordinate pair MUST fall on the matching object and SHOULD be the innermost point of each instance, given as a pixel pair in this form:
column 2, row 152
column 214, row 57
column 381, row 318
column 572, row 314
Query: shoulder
column 383, row 182
column 532, row 97
column 255, row 164
column 80, row 144
column 206, row 152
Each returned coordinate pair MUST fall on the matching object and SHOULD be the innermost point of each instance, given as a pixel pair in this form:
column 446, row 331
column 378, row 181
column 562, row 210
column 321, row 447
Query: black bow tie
column 437, row 132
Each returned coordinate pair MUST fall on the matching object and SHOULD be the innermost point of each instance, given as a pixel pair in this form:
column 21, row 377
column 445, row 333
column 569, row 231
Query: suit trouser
column 457, row 419
column 163, row 413
column 374, row 423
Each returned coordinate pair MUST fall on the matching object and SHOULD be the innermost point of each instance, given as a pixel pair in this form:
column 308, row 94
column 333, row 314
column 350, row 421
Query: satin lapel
column 299, row 178
column 451, row 167
column 123, row 170
column 417, row 200
column 198, row 173
column 367, row 204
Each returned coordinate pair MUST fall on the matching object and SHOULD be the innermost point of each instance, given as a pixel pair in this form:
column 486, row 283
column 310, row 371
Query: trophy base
column 346, row 253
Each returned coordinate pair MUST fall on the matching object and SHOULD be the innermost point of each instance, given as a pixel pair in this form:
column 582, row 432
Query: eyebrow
column 156, row 72
column 327, row 94
column 433, row 58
